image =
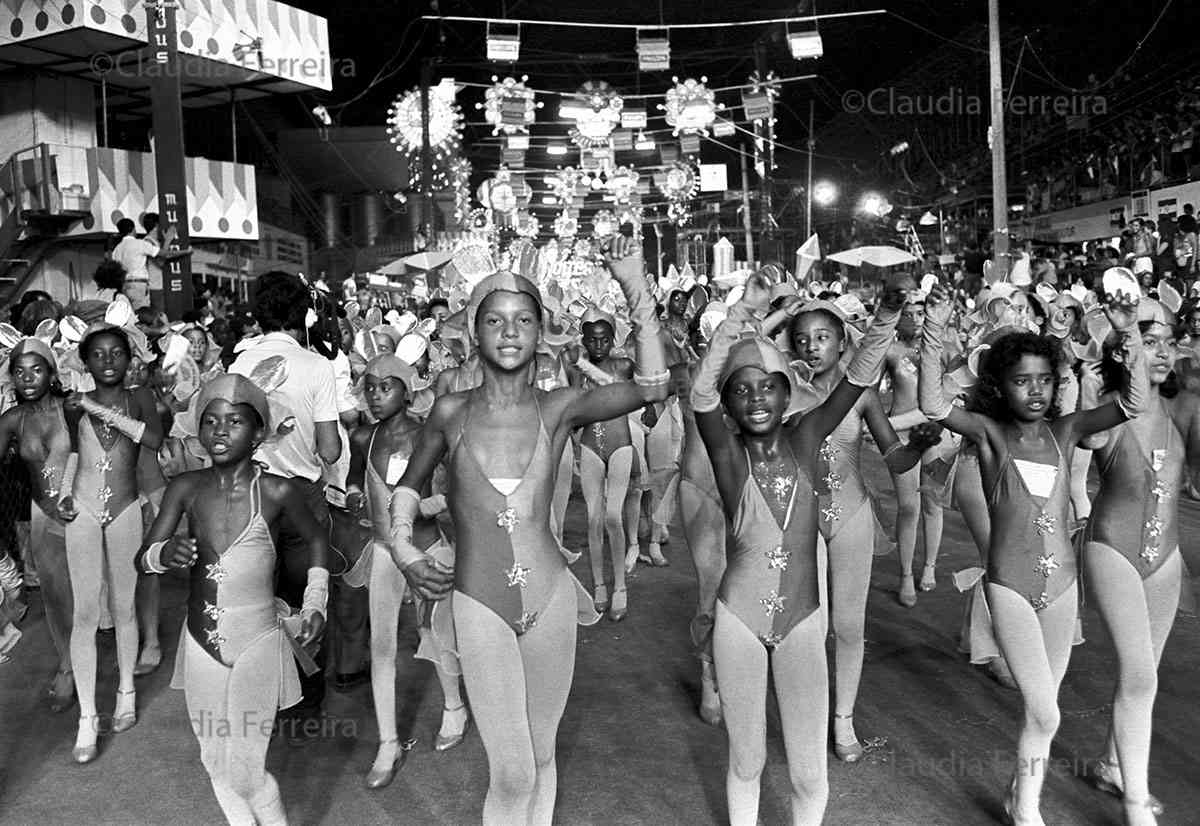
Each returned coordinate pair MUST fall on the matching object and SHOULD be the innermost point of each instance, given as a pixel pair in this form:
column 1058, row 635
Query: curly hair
column 995, row 365
column 281, row 301
column 109, row 275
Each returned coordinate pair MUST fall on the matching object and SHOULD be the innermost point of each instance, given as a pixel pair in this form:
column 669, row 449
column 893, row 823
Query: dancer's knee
column 848, row 631
column 515, row 779
column 1042, row 715
column 908, row 509
column 1138, row 683
column 746, row 760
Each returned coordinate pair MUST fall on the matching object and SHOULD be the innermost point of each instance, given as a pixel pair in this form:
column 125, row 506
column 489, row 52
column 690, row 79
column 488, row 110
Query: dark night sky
column 1072, row 41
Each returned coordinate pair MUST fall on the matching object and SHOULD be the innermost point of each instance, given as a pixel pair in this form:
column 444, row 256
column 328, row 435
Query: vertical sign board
column 169, row 166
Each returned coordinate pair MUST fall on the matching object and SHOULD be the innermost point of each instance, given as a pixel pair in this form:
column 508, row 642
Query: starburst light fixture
column 445, row 126
column 596, row 110
column 509, row 105
column 690, row 106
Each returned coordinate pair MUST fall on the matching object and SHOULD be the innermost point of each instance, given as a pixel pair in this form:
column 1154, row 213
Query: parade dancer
column 235, row 660
column 38, row 425
column 1025, row 454
column 768, row 612
column 819, row 338
column 1131, row 554
column 101, row 505
column 515, row 602
column 606, row 460
column 379, row 455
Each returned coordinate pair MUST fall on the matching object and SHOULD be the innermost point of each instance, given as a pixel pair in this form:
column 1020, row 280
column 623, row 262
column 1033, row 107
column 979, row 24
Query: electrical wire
column 574, row 24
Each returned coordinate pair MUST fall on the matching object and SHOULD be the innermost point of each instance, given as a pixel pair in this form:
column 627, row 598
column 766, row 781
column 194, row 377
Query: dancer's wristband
column 931, row 396
column 405, row 507
column 864, row 368
column 433, row 505
column 1136, row 395
column 653, row 380
column 316, row 593
column 152, row 559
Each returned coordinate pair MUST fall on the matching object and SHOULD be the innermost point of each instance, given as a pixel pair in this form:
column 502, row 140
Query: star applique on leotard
column 781, row 486
column 216, row 572
column 213, row 612
column 507, row 519
column 771, row 639
column 214, row 637
column 517, row 575
column 832, row 513
column 777, row 559
column 527, row 621
column 1161, row 491
column 1046, row 563
column 105, row 464
column 1154, row 527
column 833, row 481
column 1045, row 524
column 104, row 493
column 772, row 603
column 1149, row 554
column 1040, row 601
column 827, row 453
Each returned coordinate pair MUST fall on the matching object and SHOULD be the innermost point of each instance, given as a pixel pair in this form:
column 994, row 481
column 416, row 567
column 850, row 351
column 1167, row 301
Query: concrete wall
column 43, row 109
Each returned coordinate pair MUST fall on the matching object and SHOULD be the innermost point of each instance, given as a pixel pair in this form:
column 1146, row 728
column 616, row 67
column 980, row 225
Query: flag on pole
column 808, row 254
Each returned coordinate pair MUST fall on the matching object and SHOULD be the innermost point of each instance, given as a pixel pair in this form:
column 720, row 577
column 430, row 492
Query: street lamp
column 824, row 193
column 875, row 204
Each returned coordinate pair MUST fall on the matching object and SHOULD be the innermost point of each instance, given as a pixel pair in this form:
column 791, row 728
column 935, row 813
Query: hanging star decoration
column 509, row 105
column 690, row 106
column 596, row 110
column 405, row 127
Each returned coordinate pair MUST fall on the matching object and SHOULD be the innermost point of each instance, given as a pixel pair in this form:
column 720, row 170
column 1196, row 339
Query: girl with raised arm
column 1131, row 557
column 101, row 504
column 235, row 661
column 768, row 612
column 515, row 603
column 818, row 334
column 1025, row 453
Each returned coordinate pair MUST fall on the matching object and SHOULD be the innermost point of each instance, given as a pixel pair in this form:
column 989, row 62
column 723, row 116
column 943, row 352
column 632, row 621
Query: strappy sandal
column 848, row 752
column 1107, row 778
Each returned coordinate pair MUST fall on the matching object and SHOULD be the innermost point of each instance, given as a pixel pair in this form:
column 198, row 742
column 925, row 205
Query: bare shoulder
column 278, row 488
column 623, row 367
column 447, row 408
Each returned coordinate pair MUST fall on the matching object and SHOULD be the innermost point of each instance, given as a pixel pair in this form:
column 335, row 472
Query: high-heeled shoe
column 847, row 752
column 1140, row 812
column 85, row 750
column 60, row 699
column 710, row 699
column 929, row 578
column 1106, row 776
column 656, row 556
column 631, row 558
column 148, row 661
column 445, row 742
column 1010, row 805
column 908, row 592
column 125, row 714
column 600, row 599
column 620, row 605
column 380, row 776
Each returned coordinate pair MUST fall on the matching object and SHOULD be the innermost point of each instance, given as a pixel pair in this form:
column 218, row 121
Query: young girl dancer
column 847, row 523
column 606, row 459
column 515, row 602
column 379, row 456
column 102, row 507
column 1131, row 556
column 235, row 657
column 1024, row 456
column 768, row 612
column 40, row 429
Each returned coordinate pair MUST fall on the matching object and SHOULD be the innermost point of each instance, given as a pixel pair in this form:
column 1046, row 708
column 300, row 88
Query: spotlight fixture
column 644, row 142
column 322, row 114
column 899, row 148
column 805, row 44
column 824, row 193
column 653, row 50
column 503, row 41
column 556, row 149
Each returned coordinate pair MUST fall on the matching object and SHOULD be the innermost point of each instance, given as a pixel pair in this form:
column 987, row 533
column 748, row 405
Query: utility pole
column 747, row 224
column 999, row 179
column 169, row 167
column 812, row 144
column 426, row 155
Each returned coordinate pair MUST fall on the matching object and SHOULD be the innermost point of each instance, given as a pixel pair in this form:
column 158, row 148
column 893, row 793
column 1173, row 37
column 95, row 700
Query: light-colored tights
column 802, row 691
column 1139, row 614
column 850, row 554
column 48, row 545
column 385, row 593
column 518, row 688
column 914, row 506
column 98, row 554
column 604, row 492
column 1037, row 646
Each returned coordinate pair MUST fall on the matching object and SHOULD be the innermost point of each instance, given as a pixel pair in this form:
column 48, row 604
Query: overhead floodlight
column 805, row 44
column 824, row 193
column 549, row 199
column 899, row 149
column 928, row 219
column 653, row 49
column 503, row 41
column 518, row 142
column 556, row 149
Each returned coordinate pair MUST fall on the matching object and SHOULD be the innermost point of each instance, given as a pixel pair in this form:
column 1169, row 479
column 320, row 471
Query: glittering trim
column 771, row 639
column 212, row 612
column 507, row 519
column 1046, row 563
column 1045, row 524
column 527, row 621
column 517, row 576
column 777, row 559
column 1040, row 602
column 214, row 637
column 216, row 572
column 832, row 513
column 772, row 603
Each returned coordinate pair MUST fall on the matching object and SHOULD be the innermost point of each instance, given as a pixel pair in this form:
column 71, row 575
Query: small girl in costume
column 235, row 658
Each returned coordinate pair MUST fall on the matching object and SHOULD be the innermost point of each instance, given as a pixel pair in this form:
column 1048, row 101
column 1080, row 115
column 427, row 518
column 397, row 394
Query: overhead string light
column 445, row 128
column 690, row 106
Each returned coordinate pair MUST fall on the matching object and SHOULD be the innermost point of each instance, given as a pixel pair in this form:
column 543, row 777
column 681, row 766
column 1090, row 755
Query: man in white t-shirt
column 281, row 304
column 132, row 253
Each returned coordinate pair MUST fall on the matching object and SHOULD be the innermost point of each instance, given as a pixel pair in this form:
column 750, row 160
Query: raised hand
column 938, row 306
column 924, row 436
column 893, row 296
column 757, row 294
column 1121, row 310
column 623, row 257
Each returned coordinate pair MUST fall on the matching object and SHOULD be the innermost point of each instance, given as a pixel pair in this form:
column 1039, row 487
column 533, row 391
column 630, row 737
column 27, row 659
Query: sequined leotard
column 1135, row 511
column 507, row 556
column 1030, row 551
column 770, row 581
